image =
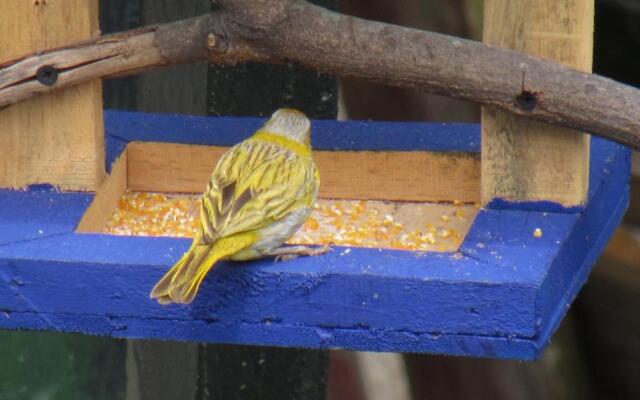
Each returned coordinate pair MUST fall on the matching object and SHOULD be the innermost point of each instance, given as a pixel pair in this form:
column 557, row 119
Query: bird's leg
column 284, row 253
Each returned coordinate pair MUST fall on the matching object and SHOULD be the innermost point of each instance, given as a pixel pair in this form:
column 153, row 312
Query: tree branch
column 282, row 30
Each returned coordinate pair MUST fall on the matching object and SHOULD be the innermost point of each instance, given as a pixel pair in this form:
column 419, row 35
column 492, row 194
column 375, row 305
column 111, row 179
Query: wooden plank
column 106, row 198
column 524, row 160
column 55, row 138
column 501, row 296
column 392, row 175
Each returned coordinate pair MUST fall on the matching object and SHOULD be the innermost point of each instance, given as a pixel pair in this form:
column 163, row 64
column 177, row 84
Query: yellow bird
column 259, row 194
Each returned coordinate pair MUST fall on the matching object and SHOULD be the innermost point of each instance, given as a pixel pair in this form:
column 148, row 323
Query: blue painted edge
column 379, row 295
column 274, row 335
column 608, row 202
column 473, row 303
column 546, row 206
column 123, row 127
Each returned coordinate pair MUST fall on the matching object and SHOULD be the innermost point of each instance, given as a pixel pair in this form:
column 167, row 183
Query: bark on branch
column 285, row 30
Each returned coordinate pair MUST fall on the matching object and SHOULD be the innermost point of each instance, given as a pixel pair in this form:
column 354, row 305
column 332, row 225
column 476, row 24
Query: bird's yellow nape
column 301, row 149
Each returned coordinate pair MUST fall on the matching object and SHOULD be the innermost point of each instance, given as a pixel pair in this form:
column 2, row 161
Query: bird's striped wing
column 255, row 184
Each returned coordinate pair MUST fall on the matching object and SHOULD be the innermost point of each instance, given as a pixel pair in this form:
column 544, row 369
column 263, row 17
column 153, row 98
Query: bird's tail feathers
column 181, row 283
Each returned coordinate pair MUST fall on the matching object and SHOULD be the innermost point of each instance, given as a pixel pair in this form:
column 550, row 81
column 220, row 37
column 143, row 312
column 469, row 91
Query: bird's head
column 290, row 123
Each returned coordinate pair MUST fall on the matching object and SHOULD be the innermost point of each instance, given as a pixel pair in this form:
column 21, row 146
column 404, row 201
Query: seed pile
column 378, row 224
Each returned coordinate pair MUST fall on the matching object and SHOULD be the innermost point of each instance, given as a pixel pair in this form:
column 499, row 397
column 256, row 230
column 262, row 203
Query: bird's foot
column 286, row 253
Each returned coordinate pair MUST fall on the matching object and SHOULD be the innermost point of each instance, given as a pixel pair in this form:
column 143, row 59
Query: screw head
column 47, row 75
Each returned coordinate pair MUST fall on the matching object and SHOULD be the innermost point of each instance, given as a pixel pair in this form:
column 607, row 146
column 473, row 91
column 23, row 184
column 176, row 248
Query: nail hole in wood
column 527, row 100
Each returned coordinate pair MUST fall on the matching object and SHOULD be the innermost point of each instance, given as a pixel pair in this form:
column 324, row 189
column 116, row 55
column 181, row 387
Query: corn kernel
column 312, row 224
column 375, row 224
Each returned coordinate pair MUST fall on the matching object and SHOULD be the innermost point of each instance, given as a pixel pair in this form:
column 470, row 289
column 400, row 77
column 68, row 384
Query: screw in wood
column 47, row 75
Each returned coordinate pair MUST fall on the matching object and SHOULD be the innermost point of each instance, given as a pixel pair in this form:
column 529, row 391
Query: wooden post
column 56, row 138
column 524, row 160
column 222, row 371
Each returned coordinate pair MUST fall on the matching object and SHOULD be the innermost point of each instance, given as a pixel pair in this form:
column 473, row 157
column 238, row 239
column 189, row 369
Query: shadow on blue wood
column 502, row 295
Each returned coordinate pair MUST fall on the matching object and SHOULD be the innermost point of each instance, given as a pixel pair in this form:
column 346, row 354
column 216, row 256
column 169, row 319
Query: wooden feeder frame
column 502, row 294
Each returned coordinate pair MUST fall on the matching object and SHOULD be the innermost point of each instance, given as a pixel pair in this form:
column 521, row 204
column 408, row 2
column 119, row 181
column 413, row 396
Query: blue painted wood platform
column 502, row 295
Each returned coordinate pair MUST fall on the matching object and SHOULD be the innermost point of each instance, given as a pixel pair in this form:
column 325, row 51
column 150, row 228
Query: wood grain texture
column 106, row 198
column 56, row 138
column 407, row 176
column 524, row 160
column 502, row 295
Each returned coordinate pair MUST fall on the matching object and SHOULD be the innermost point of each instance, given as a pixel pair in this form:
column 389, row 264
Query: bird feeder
column 549, row 201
